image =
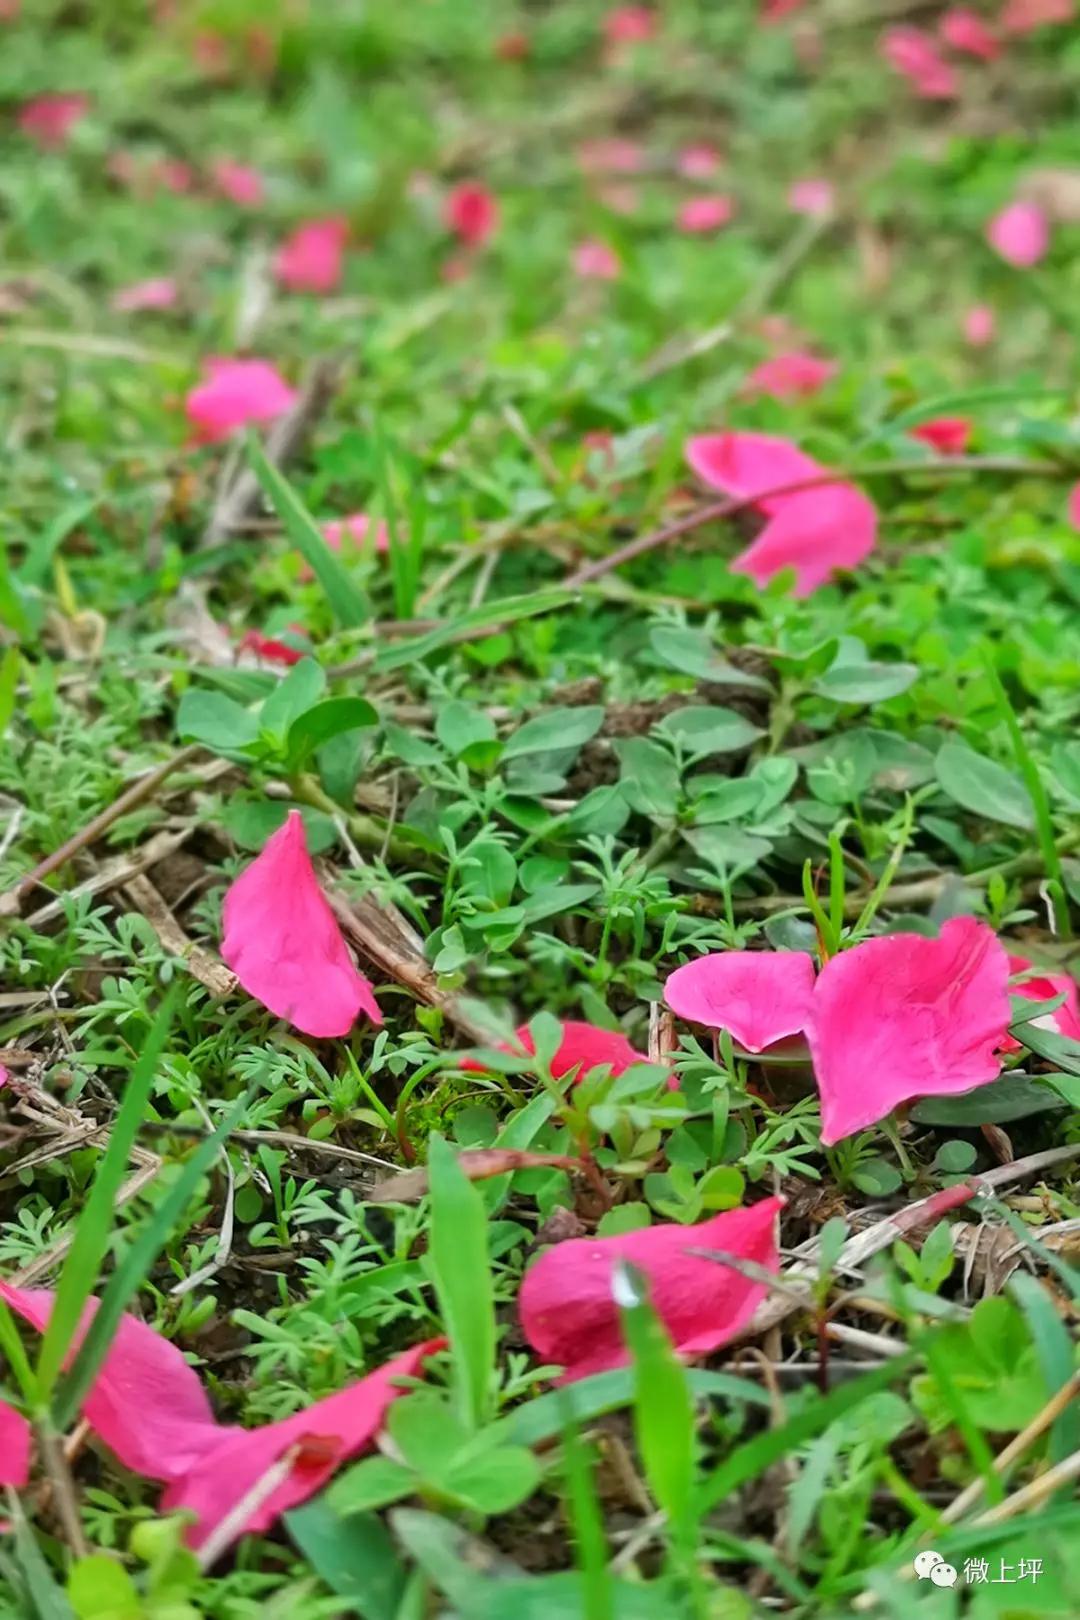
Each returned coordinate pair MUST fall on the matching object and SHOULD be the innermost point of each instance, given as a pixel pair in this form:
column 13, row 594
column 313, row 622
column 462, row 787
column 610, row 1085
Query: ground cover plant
column 539, row 810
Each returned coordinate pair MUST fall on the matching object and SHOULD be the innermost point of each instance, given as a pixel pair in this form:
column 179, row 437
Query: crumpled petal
column 282, row 941
column 583, row 1047
column 329, row 1433
column 310, row 260
column 948, row 435
column 570, row 1318
column 1020, row 233
column 14, row 1447
column 758, row 996
column 234, row 393
column 903, row 1016
column 146, row 1403
column 1037, row 985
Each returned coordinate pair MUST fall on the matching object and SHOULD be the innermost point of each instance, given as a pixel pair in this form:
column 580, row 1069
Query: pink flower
column 595, row 261
column 1072, row 506
column 815, row 531
column 271, row 649
column 583, row 1047
column 569, row 1315
column 149, row 1407
column 4, row 1077
column 310, row 260
column 979, row 325
column 1040, row 986
column 161, row 292
column 703, row 214
column 235, row 393
column 792, row 375
column 471, row 212
column 948, row 435
column 760, row 997
column 698, row 162
column 238, row 182
column 629, row 25
column 48, row 120
column 611, row 156
column 903, row 1016
column 1020, row 233
column 965, row 31
column 14, row 1447
column 814, row 197
column 914, row 54
column 1024, row 16
column 282, row 941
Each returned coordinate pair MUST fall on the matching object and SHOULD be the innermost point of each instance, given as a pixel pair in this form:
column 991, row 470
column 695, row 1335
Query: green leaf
column 1056, row 1355
column 495, row 1481
column 876, row 1177
column 459, row 726
column 346, row 599
column 373, row 1483
column 982, row 786
column 324, row 722
column 648, row 778
column 355, row 1557
column 1014, row 1096
column 512, row 608
column 554, row 900
column 101, row 1589
column 461, row 1273
column 867, row 682
column 9, row 686
column 691, row 652
column 215, row 720
column 303, row 686
column 701, row 731
column 556, row 729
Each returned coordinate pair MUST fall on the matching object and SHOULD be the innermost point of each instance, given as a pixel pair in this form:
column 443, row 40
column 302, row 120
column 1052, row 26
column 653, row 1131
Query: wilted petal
column 272, row 649
column 146, row 1403
column 758, row 996
column 903, row 1016
column 235, row 393
column 791, row 376
column 328, row 1433
column 310, row 260
column 1020, row 233
column 14, row 1447
column 570, row 1318
column 282, row 941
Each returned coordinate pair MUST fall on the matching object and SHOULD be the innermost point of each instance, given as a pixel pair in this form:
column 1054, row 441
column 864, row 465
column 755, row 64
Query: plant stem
column 63, row 1485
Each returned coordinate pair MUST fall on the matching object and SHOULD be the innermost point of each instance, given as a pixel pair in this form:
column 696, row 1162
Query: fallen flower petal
column 629, row 25
column 49, row 119
column 980, row 325
column 235, row 393
column 948, row 435
column 1037, row 985
column 326, row 1434
column 1072, row 506
column 14, row 1447
column 703, row 214
column 570, row 1318
column 903, row 1016
column 611, row 156
column 967, row 32
column 758, row 996
column 471, row 212
column 311, row 259
column 583, row 1047
column 282, row 941
column 160, row 292
column 595, row 261
column 1020, row 233
column 238, row 183
column 914, row 54
column 813, row 197
column 793, row 375
column 356, row 527
column 272, row 648
column 698, row 162
column 815, row 531
column 1024, row 16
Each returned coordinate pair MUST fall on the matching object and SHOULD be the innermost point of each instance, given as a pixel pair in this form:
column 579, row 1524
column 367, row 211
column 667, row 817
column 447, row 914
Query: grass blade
column 586, row 1519
column 508, row 611
column 462, row 1277
column 347, row 600
column 96, row 1221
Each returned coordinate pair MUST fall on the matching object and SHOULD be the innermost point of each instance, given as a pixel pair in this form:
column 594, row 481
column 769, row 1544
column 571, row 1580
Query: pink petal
column 629, row 25
column 903, row 1016
column 272, row 648
column 147, row 1404
column 175, row 175
column 160, row 292
column 583, row 1047
column 1072, row 506
column 1020, row 233
column 48, row 120
column 282, row 941
column 4, row 1077
column 914, row 54
column 793, row 375
column 759, row 996
column 611, row 156
column 815, row 197
column 1024, row 16
column 14, row 1447
column 703, row 214
column 979, row 325
column 965, row 31
column 595, row 261
column 948, row 435
column 698, row 162
column 357, row 526
column 570, row 1318
column 234, row 394
column 471, row 212
column 311, row 259
column 238, row 183
column 747, row 466
column 773, row 11
column 1040, row 986
column 330, row 1432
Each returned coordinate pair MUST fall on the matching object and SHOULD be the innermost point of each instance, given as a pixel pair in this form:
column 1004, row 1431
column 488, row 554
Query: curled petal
column 903, row 1016
column 235, row 393
column 758, row 996
column 14, row 1447
column 569, row 1315
column 282, row 941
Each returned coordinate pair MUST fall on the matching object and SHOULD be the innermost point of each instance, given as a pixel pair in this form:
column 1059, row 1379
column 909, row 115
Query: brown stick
column 203, row 965
column 114, row 873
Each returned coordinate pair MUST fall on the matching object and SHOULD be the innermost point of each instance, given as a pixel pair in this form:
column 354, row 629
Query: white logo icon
column 931, row 1566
